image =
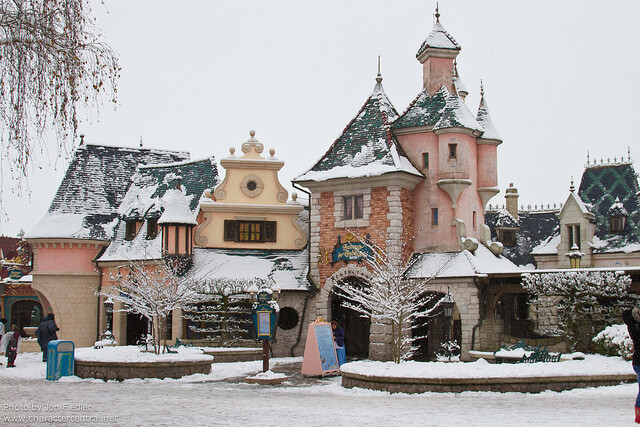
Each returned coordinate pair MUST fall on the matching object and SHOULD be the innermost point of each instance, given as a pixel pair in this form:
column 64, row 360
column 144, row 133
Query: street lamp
column 447, row 310
column 575, row 256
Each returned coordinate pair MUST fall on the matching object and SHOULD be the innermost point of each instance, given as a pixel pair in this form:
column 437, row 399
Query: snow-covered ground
column 221, row 398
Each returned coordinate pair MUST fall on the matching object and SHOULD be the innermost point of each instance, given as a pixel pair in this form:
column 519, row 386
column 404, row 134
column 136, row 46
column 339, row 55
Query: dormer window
column 507, row 236
column 617, row 217
column 573, row 235
column 130, row 231
column 617, row 223
column 152, row 228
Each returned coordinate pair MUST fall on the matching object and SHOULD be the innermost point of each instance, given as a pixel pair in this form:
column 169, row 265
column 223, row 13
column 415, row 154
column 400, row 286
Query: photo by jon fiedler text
column 21, row 413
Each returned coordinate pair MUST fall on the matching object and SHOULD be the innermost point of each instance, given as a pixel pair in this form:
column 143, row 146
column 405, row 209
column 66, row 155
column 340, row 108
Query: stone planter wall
column 126, row 370
column 457, row 385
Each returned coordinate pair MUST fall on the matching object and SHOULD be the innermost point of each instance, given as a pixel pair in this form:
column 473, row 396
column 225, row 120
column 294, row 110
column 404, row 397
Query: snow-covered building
column 600, row 222
column 117, row 206
column 416, row 182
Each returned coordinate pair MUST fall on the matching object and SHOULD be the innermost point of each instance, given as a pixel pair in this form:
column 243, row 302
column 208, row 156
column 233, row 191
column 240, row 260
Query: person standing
column 3, row 322
column 10, row 345
column 632, row 319
column 338, row 339
column 47, row 332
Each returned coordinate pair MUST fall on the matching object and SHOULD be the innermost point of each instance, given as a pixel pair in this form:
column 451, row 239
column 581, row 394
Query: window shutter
column 230, row 230
column 270, row 231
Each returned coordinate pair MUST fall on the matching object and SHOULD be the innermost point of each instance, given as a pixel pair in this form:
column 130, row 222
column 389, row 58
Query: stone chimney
column 511, row 197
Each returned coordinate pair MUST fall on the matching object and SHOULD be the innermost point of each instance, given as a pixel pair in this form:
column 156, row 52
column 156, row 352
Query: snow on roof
column 176, row 208
column 438, row 38
column 456, row 115
column 366, row 146
column 87, row 201
column 424, row 110
column 460, row 264
column 137, row 249
column 549, row 246
column 288, row 269
column 484, row 118
column 604, row 185
column 617, row 209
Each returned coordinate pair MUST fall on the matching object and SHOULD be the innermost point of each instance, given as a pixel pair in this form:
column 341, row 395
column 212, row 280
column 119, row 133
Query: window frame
column 453, row 151
column 353, row 207
column 434, row 217
column 261, row 231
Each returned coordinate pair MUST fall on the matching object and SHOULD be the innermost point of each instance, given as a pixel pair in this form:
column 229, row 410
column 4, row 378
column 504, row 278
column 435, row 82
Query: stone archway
column 357, row 329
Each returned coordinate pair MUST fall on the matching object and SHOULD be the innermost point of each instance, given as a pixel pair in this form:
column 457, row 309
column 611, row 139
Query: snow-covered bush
column 581, row 303
column 614, row 340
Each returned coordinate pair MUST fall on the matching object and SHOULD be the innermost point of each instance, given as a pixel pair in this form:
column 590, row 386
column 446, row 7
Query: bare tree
column 390, row 298
column 152, row 289
column 51, row 62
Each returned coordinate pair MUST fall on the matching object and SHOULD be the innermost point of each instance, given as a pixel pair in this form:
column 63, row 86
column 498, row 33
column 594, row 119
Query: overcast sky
column 560, row 78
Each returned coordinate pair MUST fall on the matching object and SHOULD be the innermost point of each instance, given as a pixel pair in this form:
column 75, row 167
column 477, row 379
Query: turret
column 437, row 54
column 177, row 222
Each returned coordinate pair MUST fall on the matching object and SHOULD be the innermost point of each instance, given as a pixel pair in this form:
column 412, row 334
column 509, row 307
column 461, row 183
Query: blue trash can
column 60, row 359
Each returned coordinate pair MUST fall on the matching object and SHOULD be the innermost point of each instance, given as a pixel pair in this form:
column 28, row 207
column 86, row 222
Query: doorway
column 137, row 327
column 429, row 332
column 25, row 313
column 356, row 327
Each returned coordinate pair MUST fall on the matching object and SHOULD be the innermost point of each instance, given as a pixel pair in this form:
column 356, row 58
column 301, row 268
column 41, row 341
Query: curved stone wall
column 125, row 370
column 456, row 385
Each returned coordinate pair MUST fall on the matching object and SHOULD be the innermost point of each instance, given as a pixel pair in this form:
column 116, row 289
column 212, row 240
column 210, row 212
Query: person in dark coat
column 632, row 319
column 338, row 339
column 46, row 332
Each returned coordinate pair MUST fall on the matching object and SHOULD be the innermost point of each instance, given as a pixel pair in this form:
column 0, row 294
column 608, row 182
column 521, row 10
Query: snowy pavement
column 222, row 399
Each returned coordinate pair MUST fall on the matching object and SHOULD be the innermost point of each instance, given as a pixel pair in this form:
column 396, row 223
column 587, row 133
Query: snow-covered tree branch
column 51, row 62
column 583, row 302
column 223, row 313
column 153, row 290
column 390, row 298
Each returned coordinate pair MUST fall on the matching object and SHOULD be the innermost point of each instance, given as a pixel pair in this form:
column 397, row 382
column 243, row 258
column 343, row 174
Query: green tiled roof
column 366, row 140
column 423, row 110
column 601, row 187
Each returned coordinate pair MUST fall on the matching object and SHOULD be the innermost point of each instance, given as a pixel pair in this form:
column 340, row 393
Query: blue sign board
column 350, row 251
column 324, row 338
column 15, row 274
column 264, row 318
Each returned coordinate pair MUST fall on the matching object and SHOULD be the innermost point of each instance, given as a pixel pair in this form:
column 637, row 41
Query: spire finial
column 481, row 89
column 571, row 187
column 437, row 14
column 587, row 157
column 81, row 139
column 140, row 141
column 379, row 76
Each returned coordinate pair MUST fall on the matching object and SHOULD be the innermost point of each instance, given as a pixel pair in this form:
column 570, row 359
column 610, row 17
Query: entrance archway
column 356, row 327
column 25, row 313
column 428, row 333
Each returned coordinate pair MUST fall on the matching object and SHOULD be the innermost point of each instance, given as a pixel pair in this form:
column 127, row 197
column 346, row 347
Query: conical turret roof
column 366, row 146
column 438, row 38
column 490, row 131
column 456, row 115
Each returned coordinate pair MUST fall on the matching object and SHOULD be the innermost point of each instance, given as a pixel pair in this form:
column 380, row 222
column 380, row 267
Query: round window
column 251, row 185
column 288, row 318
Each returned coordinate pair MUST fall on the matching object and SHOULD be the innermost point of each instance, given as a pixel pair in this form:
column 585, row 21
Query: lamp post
column 447, row 310
column 575, row 256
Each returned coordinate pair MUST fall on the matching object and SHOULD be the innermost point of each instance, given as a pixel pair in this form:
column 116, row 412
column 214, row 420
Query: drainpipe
column 98, row 306
column 473, row 331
